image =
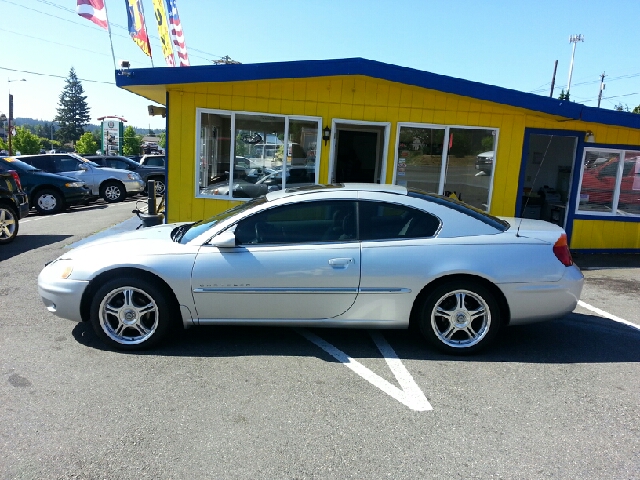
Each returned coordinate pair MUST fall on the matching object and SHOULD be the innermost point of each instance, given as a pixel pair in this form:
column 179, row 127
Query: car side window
column 388, row 221
column 66, row 164
column 43, row 163
column 308, row 222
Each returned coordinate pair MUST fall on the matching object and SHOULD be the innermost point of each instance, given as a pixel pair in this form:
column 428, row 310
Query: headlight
column 134, row 176
column 61, row 268
column 74, row 185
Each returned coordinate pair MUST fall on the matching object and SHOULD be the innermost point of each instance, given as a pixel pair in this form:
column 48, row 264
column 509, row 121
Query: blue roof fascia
column 371, row 68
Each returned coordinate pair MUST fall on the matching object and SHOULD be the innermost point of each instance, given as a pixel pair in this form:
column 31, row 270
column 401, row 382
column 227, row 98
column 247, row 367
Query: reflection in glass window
column 598, row 184
column 629, row 201
column 215, row 151
column 258, row 153
column 469, row 165
column 420, row 158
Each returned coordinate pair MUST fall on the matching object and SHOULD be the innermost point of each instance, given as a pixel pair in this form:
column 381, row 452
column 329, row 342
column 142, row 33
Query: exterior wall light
column 326, row 134
column 590, row 137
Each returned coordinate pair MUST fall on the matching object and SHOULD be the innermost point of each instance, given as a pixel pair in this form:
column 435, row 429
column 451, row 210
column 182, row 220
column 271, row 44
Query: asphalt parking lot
column 552, row 400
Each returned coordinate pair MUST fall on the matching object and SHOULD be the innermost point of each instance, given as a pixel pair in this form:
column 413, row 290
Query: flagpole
column 113, row 55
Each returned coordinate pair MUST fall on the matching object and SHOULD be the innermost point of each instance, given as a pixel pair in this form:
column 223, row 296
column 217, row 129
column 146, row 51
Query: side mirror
column 226, row 239
column 83, row 167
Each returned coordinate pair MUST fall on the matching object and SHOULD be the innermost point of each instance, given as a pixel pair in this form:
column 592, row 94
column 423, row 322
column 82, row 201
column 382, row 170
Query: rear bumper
column 23, row 205
column 533, row 302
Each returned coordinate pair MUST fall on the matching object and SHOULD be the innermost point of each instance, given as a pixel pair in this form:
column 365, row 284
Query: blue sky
column 511, row 44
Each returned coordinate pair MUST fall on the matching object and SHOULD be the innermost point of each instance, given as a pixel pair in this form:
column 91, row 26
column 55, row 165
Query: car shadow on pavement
column 24, row 243
column 577, row 338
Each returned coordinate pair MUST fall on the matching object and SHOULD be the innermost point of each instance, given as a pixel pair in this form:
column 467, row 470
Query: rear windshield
column 462, row 207
column 18, row 164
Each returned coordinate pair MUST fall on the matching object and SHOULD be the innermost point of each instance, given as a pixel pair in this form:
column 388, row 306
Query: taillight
column 561, row 251
column 16, row 177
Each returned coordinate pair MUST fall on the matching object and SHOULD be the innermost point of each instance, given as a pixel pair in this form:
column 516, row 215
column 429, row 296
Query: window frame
column 445, row 151
column 617, row 186
column 232, row 153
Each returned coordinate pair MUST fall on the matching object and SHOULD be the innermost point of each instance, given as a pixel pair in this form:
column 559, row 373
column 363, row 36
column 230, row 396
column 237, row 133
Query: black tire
column 460, row 317
column 112, row 191
column 131, row 314
column 9, row 224
column 48, row 202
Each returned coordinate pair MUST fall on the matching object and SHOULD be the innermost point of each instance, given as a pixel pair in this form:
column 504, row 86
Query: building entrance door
column 545, row 182
column 358, row 153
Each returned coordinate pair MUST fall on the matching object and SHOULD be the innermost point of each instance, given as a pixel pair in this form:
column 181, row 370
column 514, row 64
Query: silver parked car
column 110, row 184
column 352, row 255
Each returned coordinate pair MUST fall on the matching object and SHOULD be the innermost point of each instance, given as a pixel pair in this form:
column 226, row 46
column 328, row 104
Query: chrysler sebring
column 352, row 255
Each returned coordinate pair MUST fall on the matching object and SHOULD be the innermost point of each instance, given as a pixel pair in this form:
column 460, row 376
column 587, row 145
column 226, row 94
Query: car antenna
column 526, row 202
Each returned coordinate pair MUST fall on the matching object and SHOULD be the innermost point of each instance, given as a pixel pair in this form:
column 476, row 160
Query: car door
column 74, row 167
column 296, row 261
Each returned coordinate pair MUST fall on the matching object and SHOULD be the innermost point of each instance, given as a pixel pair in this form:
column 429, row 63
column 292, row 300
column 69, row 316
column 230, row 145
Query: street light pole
column 10, row 130
column 573, row 39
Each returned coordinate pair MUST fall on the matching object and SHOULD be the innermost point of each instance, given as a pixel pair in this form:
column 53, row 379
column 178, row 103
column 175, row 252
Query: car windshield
column 82, row 159
column 187, row 232
column 19, row 164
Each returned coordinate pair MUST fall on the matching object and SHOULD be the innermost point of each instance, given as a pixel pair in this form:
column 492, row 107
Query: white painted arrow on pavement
column 408, row 394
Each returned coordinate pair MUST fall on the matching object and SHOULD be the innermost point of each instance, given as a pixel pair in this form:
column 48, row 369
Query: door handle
column 341, row 262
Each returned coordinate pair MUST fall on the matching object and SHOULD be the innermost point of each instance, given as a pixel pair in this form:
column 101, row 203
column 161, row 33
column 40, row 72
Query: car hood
column 124, row 174
column 52, row 176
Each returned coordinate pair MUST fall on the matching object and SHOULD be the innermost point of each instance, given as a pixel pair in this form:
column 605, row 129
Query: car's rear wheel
column 460, row 317
column 48, row 202
column 8, row 224
column 130, row 313
column 113, row 192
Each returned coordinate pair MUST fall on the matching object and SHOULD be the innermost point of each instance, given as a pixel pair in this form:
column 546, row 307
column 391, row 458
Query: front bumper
column 61, row 297
column 76, row 195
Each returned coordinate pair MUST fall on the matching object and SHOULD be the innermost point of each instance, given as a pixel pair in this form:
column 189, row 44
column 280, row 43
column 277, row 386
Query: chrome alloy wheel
column 8, row 223
column 128, row 315
column 461, row 318
column 112, row 193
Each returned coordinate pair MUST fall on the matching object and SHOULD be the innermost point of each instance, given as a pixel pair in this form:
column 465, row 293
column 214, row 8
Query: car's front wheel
column 460, row 317
column 47, row 202
column 113, row 192
column 8, row 224
column 130, row 313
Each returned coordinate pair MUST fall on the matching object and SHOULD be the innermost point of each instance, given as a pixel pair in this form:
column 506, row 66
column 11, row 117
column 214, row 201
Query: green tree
column 636, row 109
column 131, row 141
column 73, row 111
column 87, row 145
column 25, row 142
column 4, row 145
column 621, row 108
column 163, row 140
column 563, row 95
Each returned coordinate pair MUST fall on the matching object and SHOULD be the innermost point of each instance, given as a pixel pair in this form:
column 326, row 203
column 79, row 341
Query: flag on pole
column 163, row 31
column 93, row 10
column 175, row 29
column 137, row 25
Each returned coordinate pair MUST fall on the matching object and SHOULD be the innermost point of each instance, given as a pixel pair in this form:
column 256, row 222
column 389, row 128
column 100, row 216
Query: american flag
column 175, row 29
column 93, row 10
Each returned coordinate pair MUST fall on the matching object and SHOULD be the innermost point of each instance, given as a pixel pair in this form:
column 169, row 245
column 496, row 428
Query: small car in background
column 14, row 205
column 484, row 162
column 152, row 160
column 110, row 184
column 123, row 163
column 48, row 192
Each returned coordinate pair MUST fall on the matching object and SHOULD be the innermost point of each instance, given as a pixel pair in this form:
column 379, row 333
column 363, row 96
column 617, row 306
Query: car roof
column 353, row 187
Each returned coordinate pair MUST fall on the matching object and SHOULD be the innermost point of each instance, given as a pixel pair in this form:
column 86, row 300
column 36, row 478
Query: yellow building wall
column 369, row 99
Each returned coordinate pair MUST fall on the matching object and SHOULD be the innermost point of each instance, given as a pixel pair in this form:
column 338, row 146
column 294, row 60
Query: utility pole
column 573, row 39
column 601, row 88
column 553, row 79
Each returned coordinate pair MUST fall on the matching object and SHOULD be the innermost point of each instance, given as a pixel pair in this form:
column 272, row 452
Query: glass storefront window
column 470, row 165
column 420, row 158
column 599, row 178
column 629, row 201
column 258, row 153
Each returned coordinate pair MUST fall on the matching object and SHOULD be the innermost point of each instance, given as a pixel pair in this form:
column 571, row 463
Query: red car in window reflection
column 599, row 183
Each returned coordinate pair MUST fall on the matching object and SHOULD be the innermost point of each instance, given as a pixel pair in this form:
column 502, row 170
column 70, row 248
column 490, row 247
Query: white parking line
column 39, row 218
column 604, row 314
column 409, row 394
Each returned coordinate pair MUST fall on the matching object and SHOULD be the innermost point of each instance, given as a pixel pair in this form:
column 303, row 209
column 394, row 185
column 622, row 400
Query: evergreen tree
column 73, row 111
column 563, row 95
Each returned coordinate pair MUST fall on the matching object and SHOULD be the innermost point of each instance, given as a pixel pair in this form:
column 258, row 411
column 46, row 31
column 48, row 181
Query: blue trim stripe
column 374, row 69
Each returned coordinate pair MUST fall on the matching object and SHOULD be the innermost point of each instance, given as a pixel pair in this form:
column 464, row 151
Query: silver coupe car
column 352, row 255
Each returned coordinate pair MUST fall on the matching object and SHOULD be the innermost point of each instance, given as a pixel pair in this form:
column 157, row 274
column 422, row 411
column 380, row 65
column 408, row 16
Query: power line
column 50, row 41
column 52, row 75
